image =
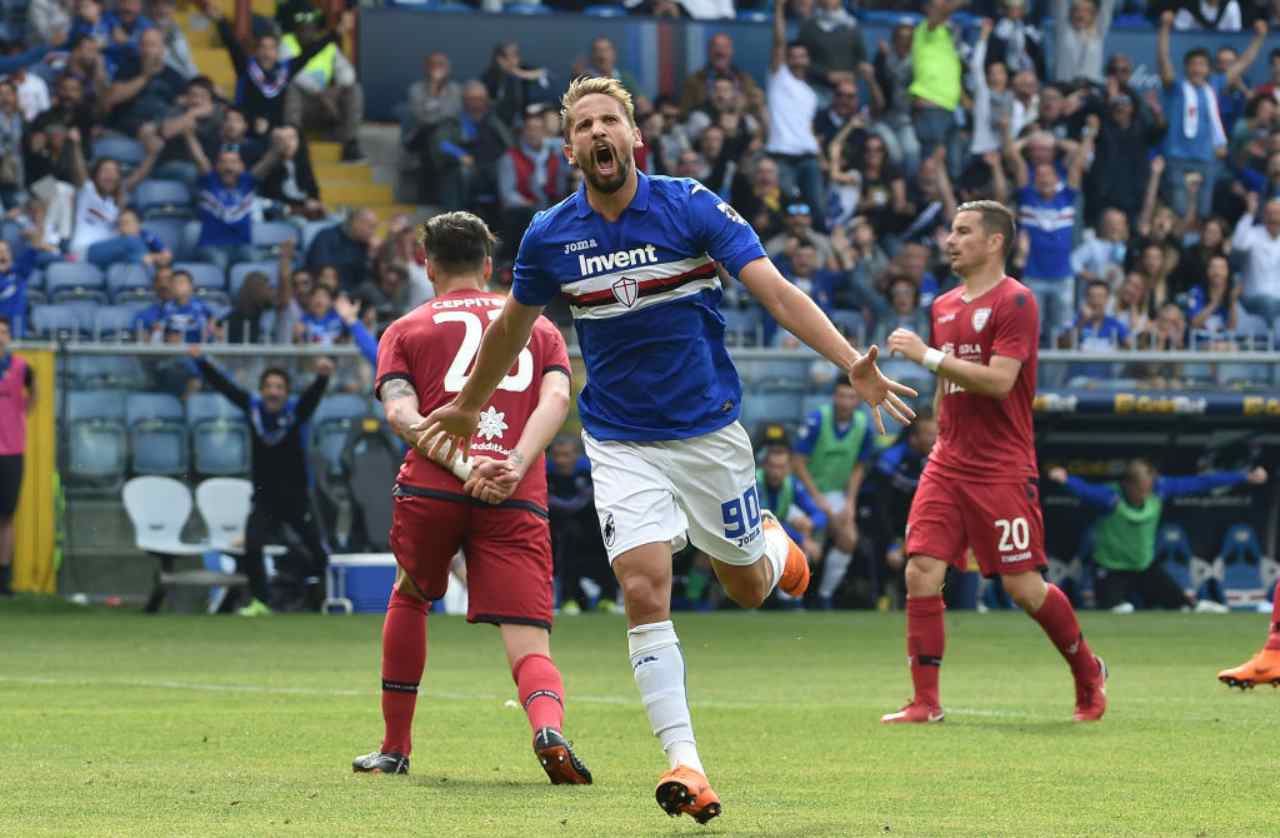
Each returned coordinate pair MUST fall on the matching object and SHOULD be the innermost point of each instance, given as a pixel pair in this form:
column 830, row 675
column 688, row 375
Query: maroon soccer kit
column 979, row 489
column 508, row 547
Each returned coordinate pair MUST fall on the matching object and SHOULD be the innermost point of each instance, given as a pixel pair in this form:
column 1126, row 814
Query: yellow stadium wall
column 33, row 569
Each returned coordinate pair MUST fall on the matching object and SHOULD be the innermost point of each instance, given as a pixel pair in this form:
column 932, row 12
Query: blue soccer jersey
column 644, row 293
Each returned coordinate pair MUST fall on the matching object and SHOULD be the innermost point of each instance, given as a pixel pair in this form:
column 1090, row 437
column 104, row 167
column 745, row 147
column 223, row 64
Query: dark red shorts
column 508, row 552
column 1002, row 523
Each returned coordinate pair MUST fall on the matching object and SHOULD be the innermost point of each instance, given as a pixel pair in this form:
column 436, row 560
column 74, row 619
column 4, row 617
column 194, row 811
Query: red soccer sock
column 1273, row 639
column 1058, row 619
column 541, row 691
column 404, row 656
column 926, row 639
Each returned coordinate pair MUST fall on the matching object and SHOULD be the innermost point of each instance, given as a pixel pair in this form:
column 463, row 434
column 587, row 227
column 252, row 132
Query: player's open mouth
column 606, row 163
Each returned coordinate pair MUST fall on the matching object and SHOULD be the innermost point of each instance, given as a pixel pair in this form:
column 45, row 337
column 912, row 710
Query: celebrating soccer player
column 636, row 257
column 498, row 516
column 980, row 489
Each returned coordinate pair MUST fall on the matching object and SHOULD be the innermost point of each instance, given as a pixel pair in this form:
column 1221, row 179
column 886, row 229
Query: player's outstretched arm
column 496, row 482
column 450, row 427
column 796, row 312
column 994, row 380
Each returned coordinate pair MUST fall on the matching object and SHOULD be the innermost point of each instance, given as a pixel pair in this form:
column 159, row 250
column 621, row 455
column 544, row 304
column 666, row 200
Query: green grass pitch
column 116, row 723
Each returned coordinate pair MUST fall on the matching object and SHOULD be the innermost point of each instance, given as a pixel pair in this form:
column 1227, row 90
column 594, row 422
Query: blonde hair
column 588, row 85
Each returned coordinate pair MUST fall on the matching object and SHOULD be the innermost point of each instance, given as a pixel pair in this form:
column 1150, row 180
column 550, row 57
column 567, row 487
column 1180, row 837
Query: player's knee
column 925, row 576
column 1027, row 590
column 643, row 594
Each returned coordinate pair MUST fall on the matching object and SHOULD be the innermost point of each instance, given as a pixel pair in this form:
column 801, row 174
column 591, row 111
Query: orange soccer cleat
column 795, row 576
column 1262, row 668
column 683, row 791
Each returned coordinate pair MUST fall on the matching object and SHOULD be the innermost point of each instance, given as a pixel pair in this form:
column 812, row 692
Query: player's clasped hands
column 878, row 391
column 446, row 430
column 492, row 481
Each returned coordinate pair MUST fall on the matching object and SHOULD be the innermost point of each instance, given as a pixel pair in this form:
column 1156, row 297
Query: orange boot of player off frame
column 795, row 575
column 684, row 791
column 1262, row 668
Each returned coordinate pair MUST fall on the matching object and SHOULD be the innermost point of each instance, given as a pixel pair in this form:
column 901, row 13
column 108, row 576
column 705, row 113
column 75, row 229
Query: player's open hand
column 878, row 391
column 446, row 430
column 1058, row 474
column 1257, row 475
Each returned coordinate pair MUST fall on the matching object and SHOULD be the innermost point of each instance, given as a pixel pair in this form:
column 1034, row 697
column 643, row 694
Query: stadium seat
column 331, row 426
column 742, row 326
column 224, row 504
column 172, row 232
column 751, row 16
column 608, row 10
column 771, row 405
column 79, row 296
column 60, row 276
column 203, row 274
column 239, row 271
column 130, row 276
column 104, row 372
column 128, row 153
column 96, row 439
column 158, row 507
column 61, row 322
column 157, row 434
column 163, row 199
column 526, row 9
column 273, row 233
column 219, row 436
column 11, row 232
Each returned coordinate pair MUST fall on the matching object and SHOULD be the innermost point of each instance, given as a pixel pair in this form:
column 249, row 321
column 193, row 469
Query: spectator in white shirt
column 792, row 106
column 1261, row 244
column 992, row 101
column 1103, row 257
column 1203, row 14
column 1080, row 42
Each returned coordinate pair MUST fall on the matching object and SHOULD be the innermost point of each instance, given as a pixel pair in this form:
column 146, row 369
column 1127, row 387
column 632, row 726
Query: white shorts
column 656, row 492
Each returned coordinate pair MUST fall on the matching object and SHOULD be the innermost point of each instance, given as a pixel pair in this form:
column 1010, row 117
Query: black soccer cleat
column 555, row 754
column 380, row 763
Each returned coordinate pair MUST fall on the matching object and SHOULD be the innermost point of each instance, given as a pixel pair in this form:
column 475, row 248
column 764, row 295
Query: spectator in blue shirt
column 1097, row 331
column 320, row 323
column 130, row 244
column 185, row 313
column 1047, row 213
column 1214, row 304
column 806, row 275
column 14, row 275
column 782, row 493
column 226, row 200
column 1196, row 137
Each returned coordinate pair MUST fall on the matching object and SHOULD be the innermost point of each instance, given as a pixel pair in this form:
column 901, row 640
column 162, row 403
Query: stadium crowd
column 141, row 203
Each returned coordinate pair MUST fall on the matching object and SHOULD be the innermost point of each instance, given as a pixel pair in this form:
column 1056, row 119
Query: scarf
column 283, row 423
column 538, row 179
column 1191, row 117
column 272, row 85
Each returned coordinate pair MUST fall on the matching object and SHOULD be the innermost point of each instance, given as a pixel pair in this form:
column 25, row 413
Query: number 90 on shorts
column 742, row 517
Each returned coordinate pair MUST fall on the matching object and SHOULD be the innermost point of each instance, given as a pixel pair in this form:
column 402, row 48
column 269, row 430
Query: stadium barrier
column 1091, row 429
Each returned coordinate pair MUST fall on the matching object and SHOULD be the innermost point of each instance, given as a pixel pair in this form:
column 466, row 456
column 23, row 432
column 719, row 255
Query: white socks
column 833, row 568
column 658, row 666
column 777, row 544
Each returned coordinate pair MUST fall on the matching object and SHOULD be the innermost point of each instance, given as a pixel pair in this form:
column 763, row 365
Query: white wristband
column 461, row 469
column 933, row 359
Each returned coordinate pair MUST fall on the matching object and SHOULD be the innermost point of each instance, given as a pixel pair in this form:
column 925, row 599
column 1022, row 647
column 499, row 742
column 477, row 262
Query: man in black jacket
column 280, row 429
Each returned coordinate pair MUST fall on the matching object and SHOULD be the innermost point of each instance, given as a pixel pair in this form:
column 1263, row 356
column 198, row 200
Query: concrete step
column 355, row 193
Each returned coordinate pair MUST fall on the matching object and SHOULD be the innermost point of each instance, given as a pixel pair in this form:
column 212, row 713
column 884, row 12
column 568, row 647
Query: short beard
column 613, row 184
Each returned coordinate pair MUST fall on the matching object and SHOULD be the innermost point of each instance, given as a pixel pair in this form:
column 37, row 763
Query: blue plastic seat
column 61, row 276
column 172, row 232
column 163, row 199
column 104, row 372
column 273, row 233
column 526, row 9
column 79, row 296
column 96, row 441
column 203, row 407
column 114, row 323
column 157, row 434
column 60, row 322
column 127, row 276
column 608, row 10
column 220, row 447
column 128, row 153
